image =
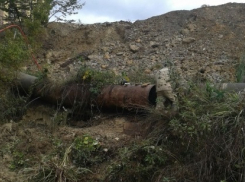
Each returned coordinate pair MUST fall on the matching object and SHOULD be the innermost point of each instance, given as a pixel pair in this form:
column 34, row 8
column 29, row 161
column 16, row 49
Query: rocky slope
column 204, row 43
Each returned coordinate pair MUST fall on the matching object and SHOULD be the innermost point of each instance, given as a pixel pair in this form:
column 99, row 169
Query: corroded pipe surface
column 68, row 95
column 128, row 96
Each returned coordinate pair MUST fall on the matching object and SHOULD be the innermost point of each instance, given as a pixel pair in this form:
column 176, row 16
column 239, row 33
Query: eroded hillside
column 205, row 43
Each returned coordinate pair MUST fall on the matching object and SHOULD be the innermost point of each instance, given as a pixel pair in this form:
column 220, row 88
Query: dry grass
column 207, row 135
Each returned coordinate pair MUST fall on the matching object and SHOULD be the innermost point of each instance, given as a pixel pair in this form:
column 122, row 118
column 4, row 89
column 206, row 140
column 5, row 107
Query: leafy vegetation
column 14, row 54
column 39, row 10
column 206, row 135
column 12, row 105
column 85, row 151
column 18, row 160
column 96, row 79
column 61, row 9
column 16, row 49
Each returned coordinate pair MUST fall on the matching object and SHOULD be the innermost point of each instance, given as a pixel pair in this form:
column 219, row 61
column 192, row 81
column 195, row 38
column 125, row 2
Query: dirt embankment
column 206, row 43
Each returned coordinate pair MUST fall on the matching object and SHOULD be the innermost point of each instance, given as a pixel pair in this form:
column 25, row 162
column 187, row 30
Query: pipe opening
column 152, row 98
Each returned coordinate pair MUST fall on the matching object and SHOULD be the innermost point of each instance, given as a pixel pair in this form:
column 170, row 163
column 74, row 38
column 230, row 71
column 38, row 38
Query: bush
column 96, row 79
column 207, row 135
column 12, row 106
column 14, row 54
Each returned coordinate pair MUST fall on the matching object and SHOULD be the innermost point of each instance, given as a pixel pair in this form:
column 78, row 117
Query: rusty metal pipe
column 111, row 96
column 66, row 95
column 128, row 96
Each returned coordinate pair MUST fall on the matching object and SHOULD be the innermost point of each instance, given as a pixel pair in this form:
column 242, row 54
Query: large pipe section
column 65, row 95
column 128, row 96
column 111, row 96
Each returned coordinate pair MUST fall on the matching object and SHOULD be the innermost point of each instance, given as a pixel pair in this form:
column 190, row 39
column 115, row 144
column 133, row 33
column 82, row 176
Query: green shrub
column 85, row 151
column 13, row 54
column 96, row 79
column 18, row 160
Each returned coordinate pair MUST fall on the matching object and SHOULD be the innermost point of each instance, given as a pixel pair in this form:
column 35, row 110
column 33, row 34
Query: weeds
column 138, row 162
column 138, row 76
column 13, row 105
column 96, row 79
column 18, row 160
column 13, row 54
column 85, row 151
column 58, row 170
column 69, row 163
column 206, row 135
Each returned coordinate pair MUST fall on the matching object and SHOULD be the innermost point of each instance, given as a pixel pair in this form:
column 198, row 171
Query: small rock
column 153, row 58
column 138, row 40
column 104, row 66
column 7, row 158
column 147, row 71
column 167, row 45
column 48, row 61
column 134, row 48
column 107, row 55
column 188, row 40
column 154, row 44
column 119, row 53
column 105, row 49
column 94, row 57
column 220, row 36
column 48, row 55
column 191, row 27
column 129, row 62
column 112, row 44
column 178, row 39
column 24, row 68
column 185, row 31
